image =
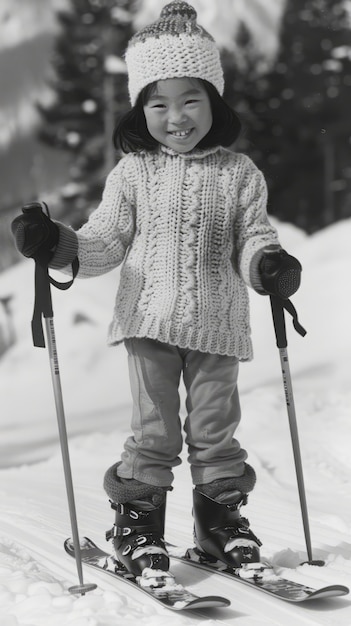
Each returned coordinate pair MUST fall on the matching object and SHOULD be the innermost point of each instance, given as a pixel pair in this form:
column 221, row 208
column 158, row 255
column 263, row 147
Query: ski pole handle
column 37, row 236
column 43, row 300
column 35, row 207
column 279, row 321
column 278, row 306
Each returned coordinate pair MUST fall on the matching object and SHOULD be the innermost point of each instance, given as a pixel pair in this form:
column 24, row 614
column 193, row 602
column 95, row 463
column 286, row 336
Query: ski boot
column 139, row 525
column 221, row 532
column 138, row 534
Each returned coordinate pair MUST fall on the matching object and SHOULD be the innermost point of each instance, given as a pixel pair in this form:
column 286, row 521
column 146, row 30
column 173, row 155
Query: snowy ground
column 35, row 573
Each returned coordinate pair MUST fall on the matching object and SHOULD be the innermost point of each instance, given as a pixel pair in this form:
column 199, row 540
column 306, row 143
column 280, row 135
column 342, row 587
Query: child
column 187, row 217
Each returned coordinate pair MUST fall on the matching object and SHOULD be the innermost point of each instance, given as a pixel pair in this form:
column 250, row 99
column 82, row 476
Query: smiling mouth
column 181, row 133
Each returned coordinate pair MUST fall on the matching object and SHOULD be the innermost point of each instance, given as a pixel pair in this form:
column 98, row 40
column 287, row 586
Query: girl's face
column 178, row 113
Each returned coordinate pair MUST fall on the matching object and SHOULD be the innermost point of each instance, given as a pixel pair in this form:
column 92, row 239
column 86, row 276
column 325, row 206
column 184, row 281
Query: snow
column 35, row 573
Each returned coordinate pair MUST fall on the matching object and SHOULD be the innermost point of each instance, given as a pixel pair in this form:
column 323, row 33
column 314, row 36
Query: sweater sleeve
column 253, row 231
column 66, row 249
column 102, row 242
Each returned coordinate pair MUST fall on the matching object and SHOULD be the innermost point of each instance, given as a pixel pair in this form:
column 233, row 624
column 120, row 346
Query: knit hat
column 174, row 46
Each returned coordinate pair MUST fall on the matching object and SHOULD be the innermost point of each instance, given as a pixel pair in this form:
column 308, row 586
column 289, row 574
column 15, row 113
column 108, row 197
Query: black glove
column 34, row 232
column 280, row 273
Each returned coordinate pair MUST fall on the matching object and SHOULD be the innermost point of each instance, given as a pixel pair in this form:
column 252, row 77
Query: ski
column 260, row 576
column 160, row 586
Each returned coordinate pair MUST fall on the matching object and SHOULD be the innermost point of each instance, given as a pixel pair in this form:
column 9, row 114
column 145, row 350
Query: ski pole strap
column 43, row 301
column 69, row 283
column 278, row 305
column 289, row 307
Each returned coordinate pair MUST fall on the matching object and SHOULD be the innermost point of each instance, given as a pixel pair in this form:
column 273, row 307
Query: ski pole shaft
column 43, row 307
column 280, row 332
column 56, row 381
column 284, row 361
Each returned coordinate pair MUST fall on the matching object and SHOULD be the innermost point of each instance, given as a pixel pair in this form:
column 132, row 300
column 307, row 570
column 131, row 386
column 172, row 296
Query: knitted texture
column 174, row 46
column 244, row 484
column 66, row 249
column 187, row 227
column 126, row 490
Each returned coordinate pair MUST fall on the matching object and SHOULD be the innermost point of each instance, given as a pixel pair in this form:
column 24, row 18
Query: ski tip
column 68, row 545
column 342, row 590
column 333, row 591
column 208, row 602
column 84, row 543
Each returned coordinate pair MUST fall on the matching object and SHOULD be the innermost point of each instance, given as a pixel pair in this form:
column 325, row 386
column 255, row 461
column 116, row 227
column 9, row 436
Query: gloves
column 34, row 232
column 280, row 273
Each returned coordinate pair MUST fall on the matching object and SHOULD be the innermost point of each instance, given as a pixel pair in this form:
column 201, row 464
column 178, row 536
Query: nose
column 176, row 115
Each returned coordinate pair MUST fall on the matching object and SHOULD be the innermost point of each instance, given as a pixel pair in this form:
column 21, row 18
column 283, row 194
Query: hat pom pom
column 178, row 9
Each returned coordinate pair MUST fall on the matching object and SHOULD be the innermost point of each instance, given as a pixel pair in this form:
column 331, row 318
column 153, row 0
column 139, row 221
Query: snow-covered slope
column 35, row 572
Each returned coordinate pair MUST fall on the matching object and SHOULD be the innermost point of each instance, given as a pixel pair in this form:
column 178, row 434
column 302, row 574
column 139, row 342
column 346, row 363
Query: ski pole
column 277, row 306
column 43, row 307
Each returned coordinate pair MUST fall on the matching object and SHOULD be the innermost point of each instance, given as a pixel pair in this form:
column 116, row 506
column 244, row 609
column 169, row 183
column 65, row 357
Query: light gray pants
column 213, row 414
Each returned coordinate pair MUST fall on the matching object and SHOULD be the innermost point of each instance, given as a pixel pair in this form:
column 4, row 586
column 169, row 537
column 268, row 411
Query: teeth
column 181, row 133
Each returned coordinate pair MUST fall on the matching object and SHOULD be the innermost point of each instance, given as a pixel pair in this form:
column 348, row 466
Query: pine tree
column 245, row 85
column 90, row 89
column 300, row 112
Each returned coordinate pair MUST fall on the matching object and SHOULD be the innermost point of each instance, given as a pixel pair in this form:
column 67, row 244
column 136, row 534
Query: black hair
column 131, row 133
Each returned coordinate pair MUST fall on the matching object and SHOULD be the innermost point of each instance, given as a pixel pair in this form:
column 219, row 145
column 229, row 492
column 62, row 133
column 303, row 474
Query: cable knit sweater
column 188, row 229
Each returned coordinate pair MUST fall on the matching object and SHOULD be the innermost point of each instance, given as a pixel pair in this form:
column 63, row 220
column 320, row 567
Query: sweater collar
column 194, row 154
